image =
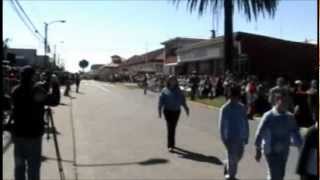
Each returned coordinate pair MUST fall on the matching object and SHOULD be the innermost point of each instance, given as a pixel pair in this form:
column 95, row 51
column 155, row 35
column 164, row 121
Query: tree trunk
column 228, row 35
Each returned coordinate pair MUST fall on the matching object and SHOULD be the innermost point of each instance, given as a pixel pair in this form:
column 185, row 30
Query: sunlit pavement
column 108, row 131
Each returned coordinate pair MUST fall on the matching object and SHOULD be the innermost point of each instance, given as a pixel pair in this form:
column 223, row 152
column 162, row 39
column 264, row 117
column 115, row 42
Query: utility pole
column 45, row 42
column 55, row 55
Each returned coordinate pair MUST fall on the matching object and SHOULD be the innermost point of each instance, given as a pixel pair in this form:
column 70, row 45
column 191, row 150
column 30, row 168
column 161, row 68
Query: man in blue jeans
column 29, row 98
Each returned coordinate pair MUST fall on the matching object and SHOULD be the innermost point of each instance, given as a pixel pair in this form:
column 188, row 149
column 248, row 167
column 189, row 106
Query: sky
column 97, row 29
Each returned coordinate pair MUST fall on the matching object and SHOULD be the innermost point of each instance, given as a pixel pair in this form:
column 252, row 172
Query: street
column 113, row 132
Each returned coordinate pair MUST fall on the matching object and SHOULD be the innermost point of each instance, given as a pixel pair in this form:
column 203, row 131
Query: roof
column 242, row 35
column 182, row 39
column 238, row 36
column 150, row 56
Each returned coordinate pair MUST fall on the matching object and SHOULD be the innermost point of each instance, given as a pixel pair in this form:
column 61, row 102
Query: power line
column 25, row 14
column 24, row 21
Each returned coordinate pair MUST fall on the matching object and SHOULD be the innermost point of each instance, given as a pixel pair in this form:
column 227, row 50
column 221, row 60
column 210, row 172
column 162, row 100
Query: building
column 22, row 56
column 110, row 71
column 264, row 56
column 41, row 61
column 94, row 67
column 170, row 51
column 151, row 62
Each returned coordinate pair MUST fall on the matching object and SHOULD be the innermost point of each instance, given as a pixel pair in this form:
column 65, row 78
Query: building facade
column 170, row 52
column 264, row 56
column 22, row 56
column 151, row 62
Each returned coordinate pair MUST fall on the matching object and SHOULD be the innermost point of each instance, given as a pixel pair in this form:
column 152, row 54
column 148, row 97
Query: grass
column 216, row 102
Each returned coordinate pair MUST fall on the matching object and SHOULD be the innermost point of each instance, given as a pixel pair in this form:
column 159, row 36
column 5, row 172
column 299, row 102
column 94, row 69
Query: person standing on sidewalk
column 234, row 131
column 276, row 132
column 145, row 83
column 29, row 99
column 170, row 101
column 68, row 85
column 78, row 79
column 194, row 82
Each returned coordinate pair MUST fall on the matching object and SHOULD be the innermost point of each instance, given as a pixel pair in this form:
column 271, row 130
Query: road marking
column 102, row 88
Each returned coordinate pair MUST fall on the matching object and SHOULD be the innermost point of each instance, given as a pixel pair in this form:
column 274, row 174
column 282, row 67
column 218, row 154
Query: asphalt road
column 112, row 132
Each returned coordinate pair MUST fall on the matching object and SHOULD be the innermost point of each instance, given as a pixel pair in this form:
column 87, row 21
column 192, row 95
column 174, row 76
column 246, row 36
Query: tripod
column 49, row 121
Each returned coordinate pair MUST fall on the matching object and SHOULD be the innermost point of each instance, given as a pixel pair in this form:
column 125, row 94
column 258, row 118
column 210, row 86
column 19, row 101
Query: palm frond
column 251, row 8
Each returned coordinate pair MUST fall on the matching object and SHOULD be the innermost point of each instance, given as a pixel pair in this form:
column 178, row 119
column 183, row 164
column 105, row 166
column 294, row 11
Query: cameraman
column 29, row 98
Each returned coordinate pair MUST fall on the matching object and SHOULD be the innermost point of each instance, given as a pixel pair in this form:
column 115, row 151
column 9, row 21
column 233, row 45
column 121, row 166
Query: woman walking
column 170, row 101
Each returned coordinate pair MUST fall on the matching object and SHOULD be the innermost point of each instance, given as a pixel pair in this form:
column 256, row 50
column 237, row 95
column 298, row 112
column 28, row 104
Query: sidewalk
column 49, row 168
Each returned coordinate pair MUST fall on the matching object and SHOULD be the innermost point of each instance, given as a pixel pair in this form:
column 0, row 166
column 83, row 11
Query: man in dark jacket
column 29, row 98
column 307, row 164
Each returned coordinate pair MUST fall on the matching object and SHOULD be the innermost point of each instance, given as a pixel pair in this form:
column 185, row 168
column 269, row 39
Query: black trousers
column 172, row 118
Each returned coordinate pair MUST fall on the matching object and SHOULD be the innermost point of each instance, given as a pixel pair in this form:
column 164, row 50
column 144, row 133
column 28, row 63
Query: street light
column 46, row 34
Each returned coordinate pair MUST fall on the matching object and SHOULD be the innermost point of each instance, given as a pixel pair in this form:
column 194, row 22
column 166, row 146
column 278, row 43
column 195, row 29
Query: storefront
column 266, row 57
column 204, row 58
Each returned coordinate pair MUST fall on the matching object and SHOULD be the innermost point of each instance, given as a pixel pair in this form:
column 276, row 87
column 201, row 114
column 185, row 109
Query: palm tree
column 250, row 7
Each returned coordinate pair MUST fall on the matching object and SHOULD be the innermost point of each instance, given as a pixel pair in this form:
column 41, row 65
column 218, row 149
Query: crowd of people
column 284, row 107
column 254, row 93
column 277, row 131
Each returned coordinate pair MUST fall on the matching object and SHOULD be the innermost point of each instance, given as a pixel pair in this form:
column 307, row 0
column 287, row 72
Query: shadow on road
column 51, row 131
column 197, row 156
column 63, row 104
column 153, row 161
column 45, row 158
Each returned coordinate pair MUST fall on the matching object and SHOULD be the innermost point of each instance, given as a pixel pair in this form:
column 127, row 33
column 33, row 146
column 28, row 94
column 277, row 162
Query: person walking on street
column 29, row 99
column 273, row 137
column 170, row 101
column 234, row 131
column 307, row 163
column 78, row 79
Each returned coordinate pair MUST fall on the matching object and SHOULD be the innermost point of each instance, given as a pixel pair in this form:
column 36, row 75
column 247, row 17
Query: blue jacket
column 233, row 123
column 171, row 99
column 276, row 132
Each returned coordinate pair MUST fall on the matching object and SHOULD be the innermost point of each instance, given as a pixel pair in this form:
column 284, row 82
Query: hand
column 258, row 155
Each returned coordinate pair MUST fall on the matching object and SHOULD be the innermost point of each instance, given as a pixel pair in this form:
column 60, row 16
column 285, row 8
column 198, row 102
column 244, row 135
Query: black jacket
column 28, row 115
column 311, row 142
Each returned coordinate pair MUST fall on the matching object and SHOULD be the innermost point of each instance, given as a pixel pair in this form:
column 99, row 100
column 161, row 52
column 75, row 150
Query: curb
column 204, row 105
